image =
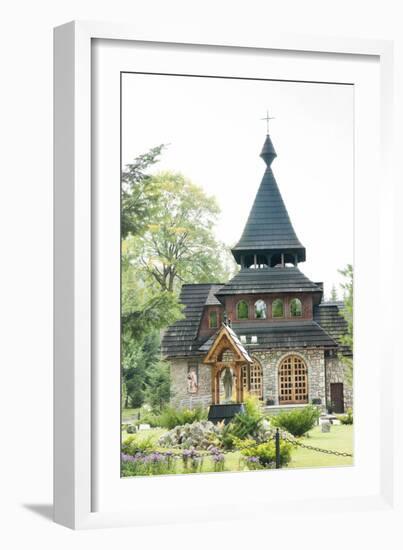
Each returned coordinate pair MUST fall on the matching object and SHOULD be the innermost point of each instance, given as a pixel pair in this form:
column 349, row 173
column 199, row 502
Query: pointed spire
column 268, row 153
column 268, row 232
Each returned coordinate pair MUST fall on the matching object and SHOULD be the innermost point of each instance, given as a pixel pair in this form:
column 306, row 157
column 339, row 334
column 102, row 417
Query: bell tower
column 268, row 239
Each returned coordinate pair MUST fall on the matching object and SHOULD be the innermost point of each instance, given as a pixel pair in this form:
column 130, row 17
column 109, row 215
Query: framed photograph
column 222, row 216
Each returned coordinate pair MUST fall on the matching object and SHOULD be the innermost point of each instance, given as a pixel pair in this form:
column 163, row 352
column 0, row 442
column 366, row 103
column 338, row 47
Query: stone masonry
column 180, row 396
column 270, row 362
column 336, row 372
column 315, row 362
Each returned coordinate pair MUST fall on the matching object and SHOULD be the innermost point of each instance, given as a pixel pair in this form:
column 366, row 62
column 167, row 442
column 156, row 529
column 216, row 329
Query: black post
column 277, row 439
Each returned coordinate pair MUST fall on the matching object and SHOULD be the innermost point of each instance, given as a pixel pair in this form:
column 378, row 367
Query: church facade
column 268, row 331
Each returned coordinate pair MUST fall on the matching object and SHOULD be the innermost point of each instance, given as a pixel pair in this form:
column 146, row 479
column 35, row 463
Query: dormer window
column 242, row 310
column 296, row 307
column 213, row 319
column 260, row 309
column 277, row 308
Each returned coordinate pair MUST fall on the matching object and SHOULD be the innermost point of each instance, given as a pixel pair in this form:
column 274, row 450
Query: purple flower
column 253, row 459
column 218, row 457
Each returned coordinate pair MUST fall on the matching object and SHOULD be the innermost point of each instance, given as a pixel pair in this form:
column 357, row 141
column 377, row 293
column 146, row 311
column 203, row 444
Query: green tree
column 139, row 193
column 158, row 390
column 179, row 245
column 333, row 294
column 347, row 313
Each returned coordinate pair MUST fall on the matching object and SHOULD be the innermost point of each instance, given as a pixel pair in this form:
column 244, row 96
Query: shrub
column 264, row 455
column 130, row 428
column 138, row 444
column 171, row 417
column 346, row 418
column 297, row 422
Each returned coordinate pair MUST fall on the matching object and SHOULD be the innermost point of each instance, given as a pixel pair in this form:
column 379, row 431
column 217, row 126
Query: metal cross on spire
column 267, row 118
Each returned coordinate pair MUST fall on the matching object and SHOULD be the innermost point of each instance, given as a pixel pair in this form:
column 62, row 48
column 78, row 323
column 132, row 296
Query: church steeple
column 268, row 238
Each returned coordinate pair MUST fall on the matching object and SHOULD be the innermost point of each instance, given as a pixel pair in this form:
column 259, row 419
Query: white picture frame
column 80, row 311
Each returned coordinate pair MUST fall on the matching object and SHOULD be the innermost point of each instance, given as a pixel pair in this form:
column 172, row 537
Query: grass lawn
column 340, row 438
column 129, row 414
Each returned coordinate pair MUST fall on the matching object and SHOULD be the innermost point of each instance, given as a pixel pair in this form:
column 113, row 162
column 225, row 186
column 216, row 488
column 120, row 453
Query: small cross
column 267, row 118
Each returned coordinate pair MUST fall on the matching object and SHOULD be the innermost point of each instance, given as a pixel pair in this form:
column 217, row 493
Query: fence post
column 277, row 439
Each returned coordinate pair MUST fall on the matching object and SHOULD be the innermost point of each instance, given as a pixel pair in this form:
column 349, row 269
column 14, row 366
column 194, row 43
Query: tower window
column 295, row 307
column 260, row 309
column 278, row 308
column 242, row 310
column 213, row 319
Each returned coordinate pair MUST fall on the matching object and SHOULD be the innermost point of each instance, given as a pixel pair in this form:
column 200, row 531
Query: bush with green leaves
column 298, row 421
column 248, row 424
column 170, row 417
column 346, row 418
column 264, row 455
column 138, row 443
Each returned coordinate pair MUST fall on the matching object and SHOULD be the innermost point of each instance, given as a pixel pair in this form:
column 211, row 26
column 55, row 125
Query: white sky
column 215, row 134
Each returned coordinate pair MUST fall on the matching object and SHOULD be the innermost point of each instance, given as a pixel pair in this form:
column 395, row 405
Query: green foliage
column 253, row 406
column 124, row 396
column 179, row 245
column 138, row 443
column 297, row 422
column 347, row 313
column 139, row 193
column 147, row 464
column 296, row 307
column 264, row 455
column 242, row 310
column 158, row 390
column 346, row 418
column 333, row 294
column 278, row 308
column 243, row 425
column 170, row 417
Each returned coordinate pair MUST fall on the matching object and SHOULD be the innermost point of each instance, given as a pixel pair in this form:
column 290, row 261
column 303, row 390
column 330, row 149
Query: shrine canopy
column 227, row 341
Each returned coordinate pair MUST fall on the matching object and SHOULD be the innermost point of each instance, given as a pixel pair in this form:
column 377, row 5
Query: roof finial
column 267, row 118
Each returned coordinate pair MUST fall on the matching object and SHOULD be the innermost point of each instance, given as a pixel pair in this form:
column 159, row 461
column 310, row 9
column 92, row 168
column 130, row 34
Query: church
column 268, row 331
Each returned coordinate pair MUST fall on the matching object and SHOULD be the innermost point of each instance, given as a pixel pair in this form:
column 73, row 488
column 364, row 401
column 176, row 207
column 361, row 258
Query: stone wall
column 181, row 397
column 270, row 362
column 336, row 372
column 315, row 362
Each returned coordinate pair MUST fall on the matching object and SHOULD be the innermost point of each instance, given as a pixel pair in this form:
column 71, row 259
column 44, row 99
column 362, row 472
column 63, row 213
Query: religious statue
column 192, row 380
column 227, row 383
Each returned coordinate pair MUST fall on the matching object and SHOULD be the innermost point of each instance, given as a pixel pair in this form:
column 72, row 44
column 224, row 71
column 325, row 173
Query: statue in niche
column 227, row 381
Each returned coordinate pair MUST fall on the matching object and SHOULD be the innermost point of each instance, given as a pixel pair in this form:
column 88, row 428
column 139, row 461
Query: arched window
column 242, row 310
column 295, row 307
column 260, row 309
column 277, row 308
column 213, row 320
column 252, row 379
column 292, row 381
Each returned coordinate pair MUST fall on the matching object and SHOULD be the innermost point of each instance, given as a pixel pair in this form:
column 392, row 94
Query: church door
column 337, row 397
column 293, row 381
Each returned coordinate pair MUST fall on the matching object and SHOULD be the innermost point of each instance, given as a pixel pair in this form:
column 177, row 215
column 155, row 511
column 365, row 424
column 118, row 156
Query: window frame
column 237, row 313
column 295, row 299
column 210, row 313
column 265, row 309
column 272, row 309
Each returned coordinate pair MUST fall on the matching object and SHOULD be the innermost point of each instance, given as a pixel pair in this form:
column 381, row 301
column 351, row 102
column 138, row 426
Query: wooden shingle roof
column 269, row 227
column 180, row 338
column 328, row 315
column 289, row 334
column 270, row 279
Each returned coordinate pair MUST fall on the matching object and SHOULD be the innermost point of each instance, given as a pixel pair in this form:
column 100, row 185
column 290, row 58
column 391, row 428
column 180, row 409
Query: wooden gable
column 227, row 340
